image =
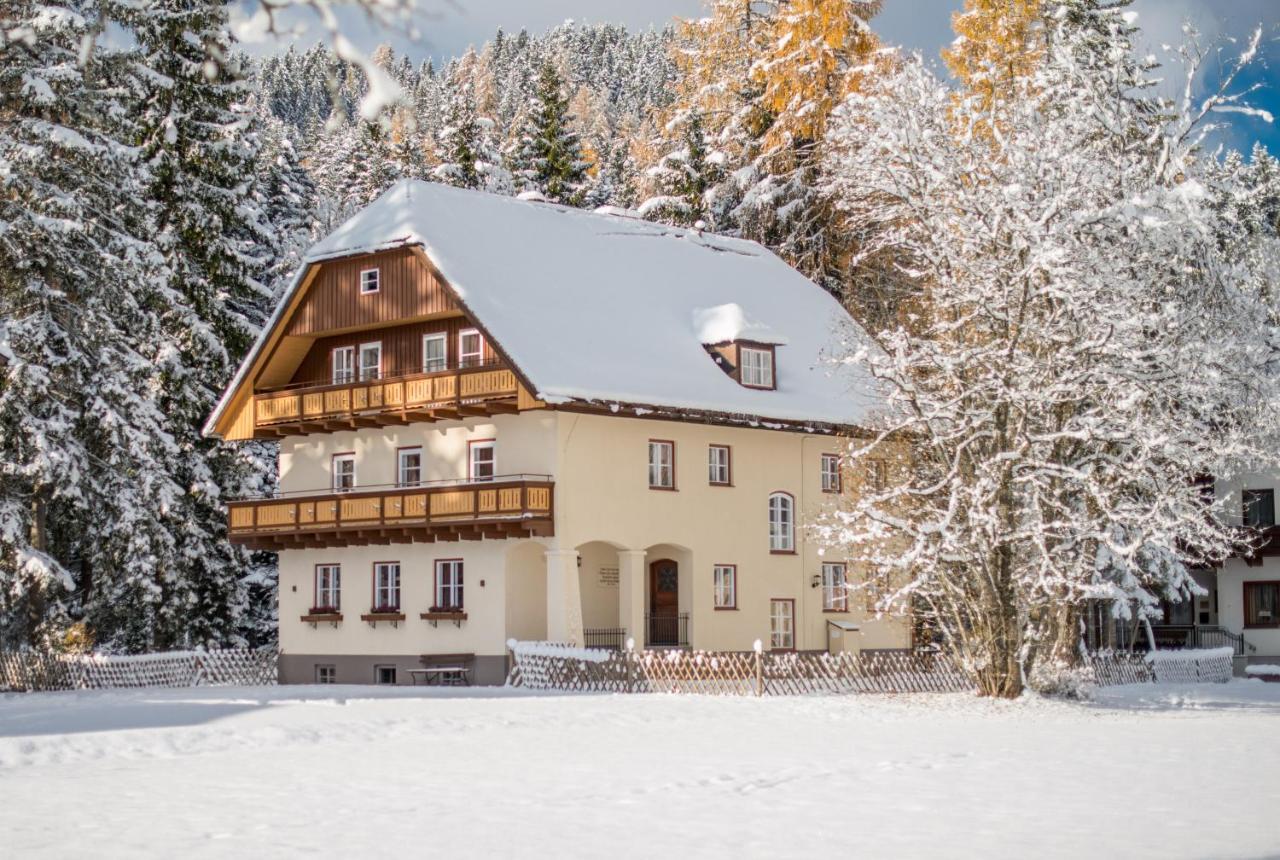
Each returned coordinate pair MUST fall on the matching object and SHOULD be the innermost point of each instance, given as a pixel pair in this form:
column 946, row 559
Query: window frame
column 401, row 453
column 728, row 465
column 443, row 338
column 1268, row 493
column 348, row 376
column 463, row 354
column 831, row 479
column 877, row 474
column 377, row 675
column 376, row 271
column 334, row 587
column 769, row 366
column 456, row 585
column 387, row 607
column 775, row 601
column 474, row 445
column 1248, row 586
column 360, row 368
column 329, row 669
column 831, row 601
column 790, row 548
column 344, row 457
column 671, row 467
column 716, row 589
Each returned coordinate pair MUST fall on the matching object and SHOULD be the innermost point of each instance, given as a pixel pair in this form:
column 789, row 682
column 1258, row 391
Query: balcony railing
column 668, row 631
column 507, row 506
column 484, row 389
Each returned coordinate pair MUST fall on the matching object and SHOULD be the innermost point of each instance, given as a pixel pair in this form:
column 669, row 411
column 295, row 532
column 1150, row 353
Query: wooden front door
column 664, row 602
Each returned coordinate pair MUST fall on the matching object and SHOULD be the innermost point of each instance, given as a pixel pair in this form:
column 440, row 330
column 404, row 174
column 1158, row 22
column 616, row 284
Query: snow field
column 1155, row 771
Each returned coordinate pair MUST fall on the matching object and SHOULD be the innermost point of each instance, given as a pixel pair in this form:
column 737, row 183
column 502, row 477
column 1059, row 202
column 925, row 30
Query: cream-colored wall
column 1231, row 579
column 602, row 494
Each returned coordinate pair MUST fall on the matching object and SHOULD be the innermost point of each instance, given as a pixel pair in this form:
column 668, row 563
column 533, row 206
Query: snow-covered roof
column 596, row 307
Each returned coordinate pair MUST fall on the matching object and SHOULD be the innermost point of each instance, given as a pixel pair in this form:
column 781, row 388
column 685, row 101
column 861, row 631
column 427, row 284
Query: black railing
column 1179, row 636
column 670, row 631
column 612, row 638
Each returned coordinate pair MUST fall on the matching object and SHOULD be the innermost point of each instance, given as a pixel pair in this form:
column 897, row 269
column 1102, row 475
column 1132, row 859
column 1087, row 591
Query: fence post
column 758, row 648
column 628, row 658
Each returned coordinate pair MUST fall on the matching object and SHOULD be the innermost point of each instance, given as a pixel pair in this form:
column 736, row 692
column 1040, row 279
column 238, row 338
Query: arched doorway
column 665, row 621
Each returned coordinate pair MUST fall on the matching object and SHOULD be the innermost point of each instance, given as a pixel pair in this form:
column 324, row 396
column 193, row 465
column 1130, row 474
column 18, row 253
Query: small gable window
column 755, row 366
column 370, row 280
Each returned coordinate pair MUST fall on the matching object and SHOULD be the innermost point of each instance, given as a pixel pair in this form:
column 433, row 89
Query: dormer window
column 755, row 364
column 369, row 281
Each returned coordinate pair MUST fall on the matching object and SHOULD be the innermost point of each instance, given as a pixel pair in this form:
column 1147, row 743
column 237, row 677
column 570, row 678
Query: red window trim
column 672, row 443
column 729, row 463
column 821, row 585
column 471, row 473
column 792, row 601
column 770, row 348
column 373, row 582
column 1244, row 604
column 315, row 583
column 435, row 580
column 790, row 496
column 734, row 606
column 839, row 488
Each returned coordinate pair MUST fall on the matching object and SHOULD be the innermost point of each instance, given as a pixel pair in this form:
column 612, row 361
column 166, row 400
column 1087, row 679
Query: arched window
column 782, row 523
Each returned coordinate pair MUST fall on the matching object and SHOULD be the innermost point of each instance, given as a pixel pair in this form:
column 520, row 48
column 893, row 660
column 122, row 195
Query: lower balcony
column 512, row 506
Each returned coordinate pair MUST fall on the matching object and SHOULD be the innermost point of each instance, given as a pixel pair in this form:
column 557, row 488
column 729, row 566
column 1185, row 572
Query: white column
column 631, row 582
column 564, row 597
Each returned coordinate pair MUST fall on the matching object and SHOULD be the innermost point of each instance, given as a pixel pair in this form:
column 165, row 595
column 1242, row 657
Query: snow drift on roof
column 598, row 307
column 724, row 323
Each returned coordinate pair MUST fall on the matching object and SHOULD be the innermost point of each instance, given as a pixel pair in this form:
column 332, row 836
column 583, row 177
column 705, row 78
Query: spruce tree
column 549, row 158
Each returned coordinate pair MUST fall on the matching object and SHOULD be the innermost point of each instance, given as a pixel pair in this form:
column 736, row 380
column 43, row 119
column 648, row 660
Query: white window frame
column 362, row 373
column 835, row 587
column 449, row 581
column 755, row 367
column 662, row 464
column 719, row 474
column 782, row 624
column 343, row 371
column 326, row 673
column 490, row 445
column 830, row 470
column 877, row 474
column 441, row 363
column 725, row 586
column 402, row 479
column 470, row 359
column 370, row 277
column 386, row 585
column 782, row 522
column 334, row 464
column 328, row 586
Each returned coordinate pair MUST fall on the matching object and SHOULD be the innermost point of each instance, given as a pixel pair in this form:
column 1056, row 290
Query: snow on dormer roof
column 729, row 322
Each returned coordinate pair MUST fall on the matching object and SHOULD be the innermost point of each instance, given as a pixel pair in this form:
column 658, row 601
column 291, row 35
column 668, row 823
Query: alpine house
column 501, row 418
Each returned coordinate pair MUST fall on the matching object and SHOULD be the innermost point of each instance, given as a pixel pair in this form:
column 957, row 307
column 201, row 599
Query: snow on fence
column 1183, row 666
column 37, row 671
column 547, row 666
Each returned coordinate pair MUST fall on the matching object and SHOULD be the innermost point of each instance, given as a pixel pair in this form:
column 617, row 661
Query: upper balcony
column 481, row 389
column 506, row 506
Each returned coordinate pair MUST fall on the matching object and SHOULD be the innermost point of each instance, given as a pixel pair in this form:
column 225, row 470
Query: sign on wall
column 608, row 577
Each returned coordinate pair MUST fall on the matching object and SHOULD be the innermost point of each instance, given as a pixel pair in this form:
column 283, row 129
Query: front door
column 664, row 603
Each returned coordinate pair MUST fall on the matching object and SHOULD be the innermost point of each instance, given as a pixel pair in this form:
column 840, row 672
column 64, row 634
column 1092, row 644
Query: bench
column 444, row 669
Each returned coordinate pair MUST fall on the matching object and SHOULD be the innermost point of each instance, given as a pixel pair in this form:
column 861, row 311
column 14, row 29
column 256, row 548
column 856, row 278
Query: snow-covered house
column 506, row 419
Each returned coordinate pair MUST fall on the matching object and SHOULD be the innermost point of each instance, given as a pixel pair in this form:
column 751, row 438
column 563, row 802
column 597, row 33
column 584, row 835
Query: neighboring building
column 1244, row 592
column 507, row 419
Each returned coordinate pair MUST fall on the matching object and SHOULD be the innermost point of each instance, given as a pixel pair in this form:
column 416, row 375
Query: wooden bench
column 444, row 669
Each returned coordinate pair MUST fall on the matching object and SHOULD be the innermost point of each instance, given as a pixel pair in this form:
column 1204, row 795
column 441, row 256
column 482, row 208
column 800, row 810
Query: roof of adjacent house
column 610, row 309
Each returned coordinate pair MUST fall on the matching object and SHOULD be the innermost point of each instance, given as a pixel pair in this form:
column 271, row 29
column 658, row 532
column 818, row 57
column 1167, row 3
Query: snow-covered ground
column 1149, row 771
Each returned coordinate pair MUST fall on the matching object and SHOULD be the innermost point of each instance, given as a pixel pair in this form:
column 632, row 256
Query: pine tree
column 681, row 180
column 458, row 145
column 549, row 159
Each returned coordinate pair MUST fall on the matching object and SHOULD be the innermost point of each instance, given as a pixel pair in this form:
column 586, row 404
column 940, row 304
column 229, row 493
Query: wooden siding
column 401, row 349
column 407, row 290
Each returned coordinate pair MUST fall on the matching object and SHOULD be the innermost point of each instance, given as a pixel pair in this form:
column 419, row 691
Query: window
column 835, row 591
column 434, row 353
column 449, row 584
column 370, row 360
column 386, row 586
column 662, row 465
column 326, row 674
column 483, row 458
column 830, row 473
column 1262, row 604
column 470, row 348
column 344, row 472
column 409, row 467
column 1259, row 508
column 782, row 523
column 782, row 624
column 344, row 360
column 877, row 475
column 369, row 281
column 755, row 367
column 385, row 675
column 718, row 473
column 726, row 586
column 328, row 587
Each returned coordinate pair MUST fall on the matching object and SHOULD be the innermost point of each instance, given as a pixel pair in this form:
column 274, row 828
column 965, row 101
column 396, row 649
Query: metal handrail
column 440, row 483
column 491, row 364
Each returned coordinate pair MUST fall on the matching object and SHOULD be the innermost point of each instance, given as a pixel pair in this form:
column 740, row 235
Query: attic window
column 755, row 364
column 369, row 281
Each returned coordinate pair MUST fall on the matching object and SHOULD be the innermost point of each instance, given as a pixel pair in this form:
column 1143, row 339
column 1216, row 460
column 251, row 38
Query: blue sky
column 449, row 26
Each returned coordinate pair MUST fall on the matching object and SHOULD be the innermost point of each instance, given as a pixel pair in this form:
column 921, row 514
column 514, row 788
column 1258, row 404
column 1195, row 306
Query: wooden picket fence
column 546, row 666
column 31, row 671
column 1207, row 666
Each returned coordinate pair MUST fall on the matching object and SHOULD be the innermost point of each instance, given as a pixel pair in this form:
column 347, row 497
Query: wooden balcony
column 458, row 393
column 513, row 506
